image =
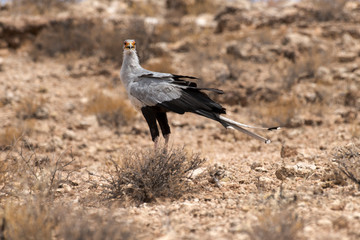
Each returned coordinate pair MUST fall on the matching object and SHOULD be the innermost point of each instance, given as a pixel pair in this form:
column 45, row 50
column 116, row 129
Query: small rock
column 340, row 223
column 325, row 222
column 301, row 41
column 87, row 122
column 322, row 72
column 69, row 107
column 260, row 169
column 69, row 134
column 285, row 172
column 197, row 172
column 41, row 113
column 287, row 151
column 255, row 165
column 345, row 57
column 337, row 205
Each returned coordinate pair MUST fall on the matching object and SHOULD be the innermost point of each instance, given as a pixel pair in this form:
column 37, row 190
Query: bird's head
column 129, row 45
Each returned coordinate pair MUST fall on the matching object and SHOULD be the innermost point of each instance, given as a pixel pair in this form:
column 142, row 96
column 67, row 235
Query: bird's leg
column 156, row 143
column 164, row 125
column 166, row 137
column 150, row 117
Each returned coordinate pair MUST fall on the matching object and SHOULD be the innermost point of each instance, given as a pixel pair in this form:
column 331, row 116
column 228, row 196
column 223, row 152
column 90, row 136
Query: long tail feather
column 247, row 126
column 239, row 126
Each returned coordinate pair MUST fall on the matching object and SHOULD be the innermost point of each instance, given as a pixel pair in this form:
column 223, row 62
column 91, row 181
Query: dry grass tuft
column 31, row 107
column 348, row 159
column 110, row 110
column 305, row 66
column 9, row 136
column 82, row 225
column 327, row 10
column 282, row 112
column 27, row 221
column 40, row 220
column 179, row 8
column 282, row 225
column 90, row 38
column 30, row 174
column 162, row 64
column 41, row 7
column 151, row 174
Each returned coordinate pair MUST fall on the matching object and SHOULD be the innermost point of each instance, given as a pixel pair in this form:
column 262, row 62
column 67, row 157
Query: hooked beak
column 129, row 45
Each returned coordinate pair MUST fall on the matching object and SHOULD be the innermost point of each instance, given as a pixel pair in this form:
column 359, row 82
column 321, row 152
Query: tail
column 228, row 123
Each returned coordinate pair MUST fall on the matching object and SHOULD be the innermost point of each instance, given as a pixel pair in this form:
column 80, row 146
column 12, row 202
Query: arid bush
column 82, row 225
column 327, row 10
column 41, row 220
column 8, row 136
column 91, row 38
column 162, row 64
column 281, row 112
column 29, row 173
column 32, row 107
column 110, row 110
column 39, row 6
column 277, row 225
column 32, row 220
column 348, row 159
column 151, row 174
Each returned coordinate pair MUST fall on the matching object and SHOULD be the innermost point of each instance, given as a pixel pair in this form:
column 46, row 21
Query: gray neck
column 130, row 67
column 131, row 60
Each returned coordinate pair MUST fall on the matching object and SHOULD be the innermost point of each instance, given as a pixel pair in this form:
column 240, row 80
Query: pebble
column 337, row 205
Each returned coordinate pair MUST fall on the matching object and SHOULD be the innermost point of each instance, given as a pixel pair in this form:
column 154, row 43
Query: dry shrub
column 281, row 112
column 281, row 225
column 32, row 107
column 143, row 8
column 150, row 174
column 162, row 64
column 91, row 37
column 39, row 6
column 180, row 8
column 29, row 173
column 327, row 10
column 348, row 159
column 305, row 66
column 27, row 221
column 82, row 225
column 110, row 110
column 8, row 136
column 36, row 219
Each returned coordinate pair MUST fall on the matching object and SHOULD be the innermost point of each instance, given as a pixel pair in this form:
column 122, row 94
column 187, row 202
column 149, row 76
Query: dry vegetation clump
column 32, row 220
column 180, row 8
column 110, row 110
column 327, row 10
column 150, row 174
column 37, row 219
column 8, row 136
column 29, row 207
column 29, row 173
column 32, row 107
column 41, row 7
column 282, row 112
column 348, row 159
column 82, row 225
column 277, row 225
column 91, row 37
column 162, row 64
column 304, row 67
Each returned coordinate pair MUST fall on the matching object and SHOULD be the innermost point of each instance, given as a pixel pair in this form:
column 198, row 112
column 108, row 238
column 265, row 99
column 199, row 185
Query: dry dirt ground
column 279, row 63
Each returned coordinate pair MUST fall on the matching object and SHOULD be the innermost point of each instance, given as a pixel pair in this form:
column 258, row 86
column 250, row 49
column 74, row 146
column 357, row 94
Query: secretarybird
column 156, row 93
